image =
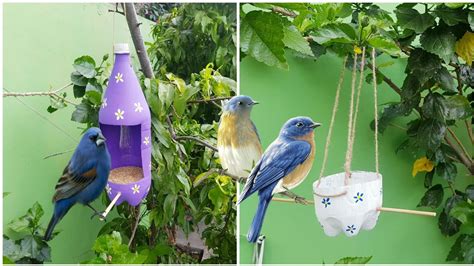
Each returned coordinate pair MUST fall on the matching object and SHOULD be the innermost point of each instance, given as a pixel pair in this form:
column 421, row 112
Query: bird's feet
column 100, row 214
column 301, row 200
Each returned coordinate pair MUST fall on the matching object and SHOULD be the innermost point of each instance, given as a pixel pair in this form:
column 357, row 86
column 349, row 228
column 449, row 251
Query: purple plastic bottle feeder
column 124, row 119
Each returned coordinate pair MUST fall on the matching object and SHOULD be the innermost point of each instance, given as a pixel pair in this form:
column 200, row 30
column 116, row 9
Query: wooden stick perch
column 385, row 209
column 111, row 205
column 423, row 213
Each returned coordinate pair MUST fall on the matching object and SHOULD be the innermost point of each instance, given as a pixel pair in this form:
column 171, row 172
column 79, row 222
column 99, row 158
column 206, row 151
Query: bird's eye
column 93, row 137
column 239, row 103
column 299, row 124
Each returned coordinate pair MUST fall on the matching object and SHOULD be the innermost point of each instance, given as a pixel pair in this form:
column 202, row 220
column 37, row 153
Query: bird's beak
column 100, row 140
column 255, row 102
column 315, row 125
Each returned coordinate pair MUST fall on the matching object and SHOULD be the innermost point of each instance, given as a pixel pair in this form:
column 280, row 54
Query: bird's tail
column 257, row 222
column 60, row 209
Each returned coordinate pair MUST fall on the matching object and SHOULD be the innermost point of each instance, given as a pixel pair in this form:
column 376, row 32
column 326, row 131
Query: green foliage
column 437, row 93
column 193, row 52
column 23, row 240
column 189, row 37
column 109, row 249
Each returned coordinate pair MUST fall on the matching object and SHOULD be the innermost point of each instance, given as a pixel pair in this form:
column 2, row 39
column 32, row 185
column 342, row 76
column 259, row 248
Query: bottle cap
column 121, row 48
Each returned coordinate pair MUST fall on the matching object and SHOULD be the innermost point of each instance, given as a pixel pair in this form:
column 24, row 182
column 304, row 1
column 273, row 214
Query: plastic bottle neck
column 122, row 59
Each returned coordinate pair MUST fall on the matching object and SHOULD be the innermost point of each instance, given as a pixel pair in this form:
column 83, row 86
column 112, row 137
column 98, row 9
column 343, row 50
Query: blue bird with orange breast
column 237, row 138
column 83, row 179
column 283, row 166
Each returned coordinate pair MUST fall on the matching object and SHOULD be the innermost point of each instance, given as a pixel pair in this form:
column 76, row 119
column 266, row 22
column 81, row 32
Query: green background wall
column 40, row 42
column 292, row 231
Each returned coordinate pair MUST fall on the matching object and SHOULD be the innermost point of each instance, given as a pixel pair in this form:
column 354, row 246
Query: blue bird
column 238, row 142
column 83, row 179
column 283, row 166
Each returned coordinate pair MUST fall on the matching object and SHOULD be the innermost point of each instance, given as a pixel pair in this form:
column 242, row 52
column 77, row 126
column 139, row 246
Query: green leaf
column 430, row 134
column 434, row 106
column 411, row 19
column 94, row 92
column 423, row 65
column 85, row 65
column 169, row 206
column 183, row 179
column 464, row 212
column 470, row 192
column 353, row 260
column 36, row 248
column 261, row 36
column 445, row 80
column 385, row 45
column 81, row 114
column 294, row 40
column 335, row 33
column 433, row 197
column 458, row 107
column 429, row 179
column 448, row 224
column 454, row 5
column 439, row 41
column 79, row 91
column 447, row 171
column 463, row 249
column 78, row 79
column 451, row 16
column 5, row 194
column 470, row 19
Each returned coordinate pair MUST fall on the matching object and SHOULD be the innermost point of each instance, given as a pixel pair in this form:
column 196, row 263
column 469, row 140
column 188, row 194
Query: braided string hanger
column 353, row 112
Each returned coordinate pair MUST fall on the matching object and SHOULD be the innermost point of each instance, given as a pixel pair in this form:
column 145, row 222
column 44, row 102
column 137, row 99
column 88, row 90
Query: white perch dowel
column 111, row 205
column 432, row 214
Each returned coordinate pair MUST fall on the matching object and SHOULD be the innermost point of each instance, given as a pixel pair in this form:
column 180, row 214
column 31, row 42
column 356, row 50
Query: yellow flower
column 357, row 50
column 465, row 47
column 422, row 165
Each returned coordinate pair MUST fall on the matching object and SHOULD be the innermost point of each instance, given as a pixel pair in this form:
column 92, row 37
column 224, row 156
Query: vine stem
column 136, row 214
column 284, row 12
column 53, row 93
column 451, row 132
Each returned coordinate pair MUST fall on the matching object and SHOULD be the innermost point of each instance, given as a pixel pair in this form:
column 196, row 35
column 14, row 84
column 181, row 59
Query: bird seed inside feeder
column 126, row 175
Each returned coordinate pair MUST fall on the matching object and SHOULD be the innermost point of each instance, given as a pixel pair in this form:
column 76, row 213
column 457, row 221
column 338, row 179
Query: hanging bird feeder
column 352, row 200
column 124, row 119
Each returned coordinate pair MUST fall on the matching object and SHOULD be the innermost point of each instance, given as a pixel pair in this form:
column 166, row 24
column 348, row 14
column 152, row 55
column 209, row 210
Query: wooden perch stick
column 111, row 205
column 385, row 209
column 423, row 213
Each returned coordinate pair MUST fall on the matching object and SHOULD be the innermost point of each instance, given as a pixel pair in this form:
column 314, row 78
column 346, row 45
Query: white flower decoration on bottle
column 119, row 114
column 136, row 189
column 118, row 77
column 104, row 103
column 108, row 189
column 147, row 140
column 138, row 107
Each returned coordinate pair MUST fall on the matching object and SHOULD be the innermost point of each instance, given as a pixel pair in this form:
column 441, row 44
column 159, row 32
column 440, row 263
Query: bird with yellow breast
column 238, row 142
column 284, row 165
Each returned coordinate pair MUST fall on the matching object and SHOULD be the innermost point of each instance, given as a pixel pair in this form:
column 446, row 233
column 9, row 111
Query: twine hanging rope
column 376, row 118
column 353, row 113
column 333, row 118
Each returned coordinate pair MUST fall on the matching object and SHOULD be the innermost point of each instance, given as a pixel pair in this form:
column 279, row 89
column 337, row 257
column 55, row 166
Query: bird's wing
column 256, row 131
column 76, row 176
column 279, row 160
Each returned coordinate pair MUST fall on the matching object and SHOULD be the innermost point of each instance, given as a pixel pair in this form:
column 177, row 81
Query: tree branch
column 196, row 139
column 134, row 27
column 284, row 12
column 53, row 94
column 217, row 99
column 387, row 80
column 464, row 160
